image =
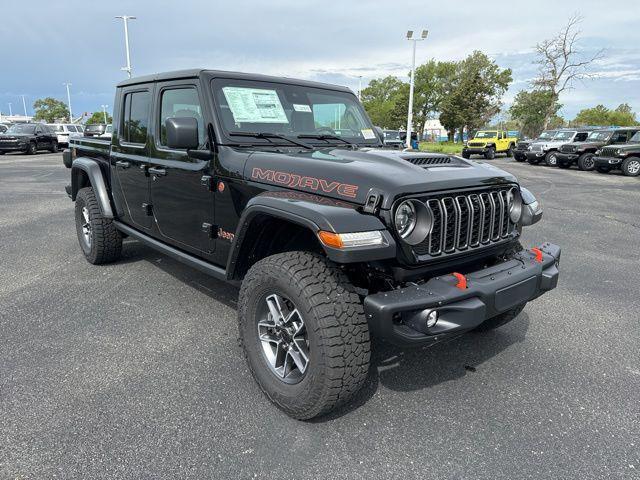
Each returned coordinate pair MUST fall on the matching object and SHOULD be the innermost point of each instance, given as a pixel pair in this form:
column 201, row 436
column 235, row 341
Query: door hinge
column 147, row 208
column 210, row 230
column 372, row 202
column 207, row 182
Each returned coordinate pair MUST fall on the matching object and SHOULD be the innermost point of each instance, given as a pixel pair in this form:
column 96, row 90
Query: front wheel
column 585, row 162
column 466, row 155
column 490, row 154
column 500, row 320
column 510, row 151
column 32, row 149
column 99, row 239
column 304, row 333
column 631, row 167
column 551, row 159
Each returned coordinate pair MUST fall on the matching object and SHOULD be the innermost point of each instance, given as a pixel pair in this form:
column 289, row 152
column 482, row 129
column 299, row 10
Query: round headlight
column 413, row 221
column 405, row 219
column 514, row 201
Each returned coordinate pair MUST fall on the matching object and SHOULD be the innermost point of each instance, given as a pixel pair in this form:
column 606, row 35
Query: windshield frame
column 493, row 132
column 552, row 133
column 223, row 134
column 557, row 137
column 609, row 133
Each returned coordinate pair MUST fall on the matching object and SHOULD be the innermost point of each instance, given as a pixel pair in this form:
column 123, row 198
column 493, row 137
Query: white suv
column 65, row 130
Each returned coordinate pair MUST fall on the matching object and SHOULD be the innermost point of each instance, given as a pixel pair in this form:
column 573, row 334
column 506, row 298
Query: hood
column 583, row 145
column 351, row 174
column 14, row 136
column 629, row 146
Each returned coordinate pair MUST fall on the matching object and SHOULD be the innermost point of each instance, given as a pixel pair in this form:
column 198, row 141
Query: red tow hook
column 462, row 280
column 538, row 253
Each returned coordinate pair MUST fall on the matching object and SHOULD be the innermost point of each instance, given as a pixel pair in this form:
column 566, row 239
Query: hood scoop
column 433, row 160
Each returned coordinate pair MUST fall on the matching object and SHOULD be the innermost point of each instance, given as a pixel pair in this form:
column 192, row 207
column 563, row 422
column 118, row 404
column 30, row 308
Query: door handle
column 123, row 164
column 160, row 172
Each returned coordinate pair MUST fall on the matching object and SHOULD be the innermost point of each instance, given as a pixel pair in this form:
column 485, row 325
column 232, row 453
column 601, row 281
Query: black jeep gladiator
column 583, row 153
column 283, row 187
column 625, row 157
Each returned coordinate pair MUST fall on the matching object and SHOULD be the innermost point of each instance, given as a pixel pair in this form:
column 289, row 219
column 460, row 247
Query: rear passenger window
column 135, row 117
column 72, row 128
column 178, row 103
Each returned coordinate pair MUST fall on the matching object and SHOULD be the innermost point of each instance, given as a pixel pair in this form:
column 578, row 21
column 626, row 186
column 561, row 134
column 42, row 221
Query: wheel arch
column 86, row 172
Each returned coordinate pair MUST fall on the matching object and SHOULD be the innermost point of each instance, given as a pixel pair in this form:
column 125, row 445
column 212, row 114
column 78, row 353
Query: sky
column 45, row 43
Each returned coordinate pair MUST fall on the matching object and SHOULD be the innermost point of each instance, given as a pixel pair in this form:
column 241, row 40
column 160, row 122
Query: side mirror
column 380, row 133
column 182, row 133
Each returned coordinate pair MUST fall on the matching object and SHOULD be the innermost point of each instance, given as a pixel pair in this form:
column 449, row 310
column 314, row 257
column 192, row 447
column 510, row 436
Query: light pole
column 10, row 111
column 423, row 35
column 24, row 105
column 104, row 111
column 359, row 87
column 69, row 101
column 125, row 19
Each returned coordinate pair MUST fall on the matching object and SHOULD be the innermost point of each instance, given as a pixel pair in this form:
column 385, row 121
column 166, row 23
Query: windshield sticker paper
column 368, row 134
column 255, row 105
column 301, row 108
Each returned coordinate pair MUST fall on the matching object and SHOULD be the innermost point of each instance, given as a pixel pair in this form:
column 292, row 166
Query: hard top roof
column 197, row 72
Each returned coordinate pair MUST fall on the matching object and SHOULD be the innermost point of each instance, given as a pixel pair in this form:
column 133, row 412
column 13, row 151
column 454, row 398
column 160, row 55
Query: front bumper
column 13, row 146
column 610, row 162
column 475, row 150
column 520, row 154
column 398, row 315
column 535, row 156
column 568, row 158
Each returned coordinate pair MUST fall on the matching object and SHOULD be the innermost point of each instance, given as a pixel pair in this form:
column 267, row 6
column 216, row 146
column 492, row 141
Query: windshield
column 391, row 135
column 564, row 135
column 21, row 128
column 247, row 106
column 635, row 138
column 547, row 135
column 600, row 136
column 486, row 135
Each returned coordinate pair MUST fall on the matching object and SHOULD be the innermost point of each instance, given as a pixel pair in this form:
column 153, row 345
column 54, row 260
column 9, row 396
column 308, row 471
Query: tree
column 530, row 110
column 98, row 117
column 49, row 109
column 473, row 95
column 601, row 115
column 560, row 64
column 623, row 116
column 383, row 99
column 430, row 87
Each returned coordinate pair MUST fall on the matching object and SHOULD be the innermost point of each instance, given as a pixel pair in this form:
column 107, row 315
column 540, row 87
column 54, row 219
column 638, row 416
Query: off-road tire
column 32, row 149
column 337, row 331
column 603, row 169
column 54, row 147
column 466, row 155
column 585, row 162
column 510, row 151
column 551, row 159
column 106, row 240
column 629, row 167
column 500, row 320
column 490, row 154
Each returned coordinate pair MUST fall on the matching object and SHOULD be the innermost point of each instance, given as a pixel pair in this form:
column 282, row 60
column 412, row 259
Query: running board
column 217, row 272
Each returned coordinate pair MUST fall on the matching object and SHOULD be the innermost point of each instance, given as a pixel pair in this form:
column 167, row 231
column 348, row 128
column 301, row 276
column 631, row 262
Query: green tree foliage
column 601, row 115
column 383, row 99
column 531, row 111
column 430, row 87
column 49, row 109
column 98, row 117
column 473, row 95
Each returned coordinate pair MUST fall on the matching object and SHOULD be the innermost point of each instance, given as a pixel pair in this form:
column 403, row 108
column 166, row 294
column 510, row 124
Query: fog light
column 432, row 318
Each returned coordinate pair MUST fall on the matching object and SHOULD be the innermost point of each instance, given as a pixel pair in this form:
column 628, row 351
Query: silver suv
column 547, row 150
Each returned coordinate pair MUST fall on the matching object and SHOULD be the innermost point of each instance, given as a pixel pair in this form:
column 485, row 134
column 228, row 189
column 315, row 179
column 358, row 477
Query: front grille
column 568, row 148
column 536, row 148
column 467, row 221
column 428, row 160
column 476, row 144
column 609, row 152
column 522, row 146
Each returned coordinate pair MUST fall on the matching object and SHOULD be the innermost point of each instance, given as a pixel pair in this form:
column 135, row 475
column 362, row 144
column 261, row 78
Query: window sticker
column 368, row 134
column 301, row 108
column 255, row 105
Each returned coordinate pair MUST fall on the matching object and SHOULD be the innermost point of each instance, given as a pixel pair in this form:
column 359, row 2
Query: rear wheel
column 551, row 159
column 500, row 320
column 54, row 147
column 99, row 239
column 490, row 153
column 631, row 167
column 585, row 162
column 303, row 332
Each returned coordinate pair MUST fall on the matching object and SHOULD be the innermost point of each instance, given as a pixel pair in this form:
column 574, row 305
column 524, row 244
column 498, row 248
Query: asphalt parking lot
column 133, row 370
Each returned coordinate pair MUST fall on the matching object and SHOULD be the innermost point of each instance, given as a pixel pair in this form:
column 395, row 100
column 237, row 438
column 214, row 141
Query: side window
column 619, row 137
column 581, row 137
column 180, row 103
column 72, row 128
column 135, row 117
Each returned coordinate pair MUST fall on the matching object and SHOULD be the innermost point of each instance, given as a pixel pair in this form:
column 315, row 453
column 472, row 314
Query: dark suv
column 28, row 138
column 625, row 157
column 582, row 153
column 283, row 187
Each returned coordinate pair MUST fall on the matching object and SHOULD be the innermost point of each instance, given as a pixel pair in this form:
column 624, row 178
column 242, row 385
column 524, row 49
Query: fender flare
column 92, row 169
column 313, row 213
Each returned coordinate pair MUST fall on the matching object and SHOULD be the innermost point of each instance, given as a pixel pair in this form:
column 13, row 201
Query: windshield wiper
column 326, row 137
column 268, row 136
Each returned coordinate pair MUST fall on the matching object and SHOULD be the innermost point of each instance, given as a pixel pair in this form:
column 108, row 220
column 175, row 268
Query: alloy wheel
column 86, row 226
column 633, row 167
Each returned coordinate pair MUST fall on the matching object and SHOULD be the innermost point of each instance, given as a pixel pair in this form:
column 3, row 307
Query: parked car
column 488, row 143
column 582, row 153
column 28, row 138
column 522, row 146
column 95, row 130
column 625, row 157
column 547, row 150
column 65, row 130
column 330, row 237
column 392, row 139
